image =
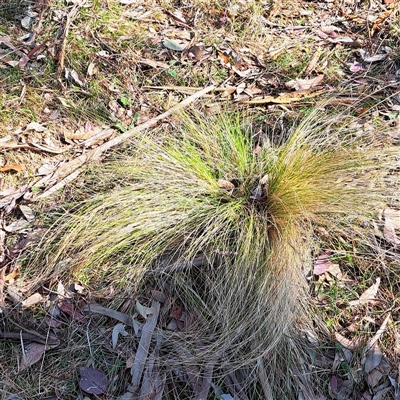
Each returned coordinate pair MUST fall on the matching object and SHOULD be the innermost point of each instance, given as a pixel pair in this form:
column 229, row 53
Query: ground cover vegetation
column 246, row 247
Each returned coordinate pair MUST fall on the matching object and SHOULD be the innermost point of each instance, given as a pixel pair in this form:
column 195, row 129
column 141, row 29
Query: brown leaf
column 177, row 312
column 27, row 212
column 305, row 84
column 373, row 358
column 369, row 295
column 129, row 361
column 392, row 223
column 35, row 126
column 195, row 53
column 322, row 264
column 93, row 381
column 225, row 59
column 52, row 323
column 69, row 309
column 32, row 300
column 159, row 296
column 227, row 91
column 79, row 134
column 352, row 344
column 12, row 275
column 286, row 98
column 313, row 63
column 17, row 225
column 224, row 184
column 32, row 354
column 12, row 167
column 373, row 378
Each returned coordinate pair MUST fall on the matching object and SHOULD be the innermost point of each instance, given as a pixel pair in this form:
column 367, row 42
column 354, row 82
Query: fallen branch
column 60, row 176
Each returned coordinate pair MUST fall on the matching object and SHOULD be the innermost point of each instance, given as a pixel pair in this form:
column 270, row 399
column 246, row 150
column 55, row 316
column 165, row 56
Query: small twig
column 28, row 337
column 36, row 337
column 61, row 54
column 2, row 278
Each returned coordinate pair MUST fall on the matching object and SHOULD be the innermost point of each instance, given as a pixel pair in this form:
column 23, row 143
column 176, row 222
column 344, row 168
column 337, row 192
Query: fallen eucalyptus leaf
column 368, row 295
column 93, row 381
column 32, row 300
column 173, row 44
column 392, row 223
column 118, row 329
column 28, row 213
column 35, row 126
column 32, row 354
column 16, row 226
column 373, row 358
column 144, row 311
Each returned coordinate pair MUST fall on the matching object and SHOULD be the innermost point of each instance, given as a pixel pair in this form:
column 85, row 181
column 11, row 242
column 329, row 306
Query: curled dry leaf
column 305, row 84
column 224, row 184
column 351, row 344
column 32, row 300
column 368, row 295
column 12, row 167
column 143, row 310
column 118, row 329
column 32, row 354
column 392, row 223
column 27, row 212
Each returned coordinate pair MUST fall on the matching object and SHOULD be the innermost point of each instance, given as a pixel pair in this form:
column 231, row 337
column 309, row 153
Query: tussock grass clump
column 243, row 204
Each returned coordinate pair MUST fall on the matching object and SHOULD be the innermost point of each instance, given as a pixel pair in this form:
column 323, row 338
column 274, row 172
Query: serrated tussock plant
column 241, row 204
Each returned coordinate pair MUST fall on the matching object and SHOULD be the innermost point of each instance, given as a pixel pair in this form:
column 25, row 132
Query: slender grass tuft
column 238, row 202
